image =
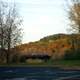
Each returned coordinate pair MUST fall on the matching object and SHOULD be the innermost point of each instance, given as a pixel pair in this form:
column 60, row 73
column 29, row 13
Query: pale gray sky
column 41, row 18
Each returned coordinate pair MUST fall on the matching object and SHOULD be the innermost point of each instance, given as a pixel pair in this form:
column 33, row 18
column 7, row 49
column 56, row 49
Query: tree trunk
column 2, row 43
column 9, row 45
column 7, row 58
column 79, row 29
column 8, row 53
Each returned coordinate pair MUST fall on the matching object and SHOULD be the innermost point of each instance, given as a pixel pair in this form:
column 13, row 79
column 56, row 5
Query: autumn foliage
column 57, row 46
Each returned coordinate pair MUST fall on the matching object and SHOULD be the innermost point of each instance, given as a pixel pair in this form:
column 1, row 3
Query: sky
column 41, row 18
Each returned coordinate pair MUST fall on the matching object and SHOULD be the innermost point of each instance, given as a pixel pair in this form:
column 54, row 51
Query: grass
column 55, row 63
column 67, row 62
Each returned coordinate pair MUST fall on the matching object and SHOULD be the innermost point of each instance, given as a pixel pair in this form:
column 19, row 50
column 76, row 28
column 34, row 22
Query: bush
column 34, row 61
column 72, row 55
column 23, row 59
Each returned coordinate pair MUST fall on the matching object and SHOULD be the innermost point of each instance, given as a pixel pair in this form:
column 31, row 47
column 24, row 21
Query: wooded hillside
column 55, row 46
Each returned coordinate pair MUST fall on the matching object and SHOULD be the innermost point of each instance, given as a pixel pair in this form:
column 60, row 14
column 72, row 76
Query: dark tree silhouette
column 10, row 30
column 74, row 15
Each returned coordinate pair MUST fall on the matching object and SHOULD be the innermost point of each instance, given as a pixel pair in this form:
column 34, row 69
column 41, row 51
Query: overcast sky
column 41, row 18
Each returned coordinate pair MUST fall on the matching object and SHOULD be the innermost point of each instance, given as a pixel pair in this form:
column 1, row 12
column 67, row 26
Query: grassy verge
column 55, row 63
column 67, row 62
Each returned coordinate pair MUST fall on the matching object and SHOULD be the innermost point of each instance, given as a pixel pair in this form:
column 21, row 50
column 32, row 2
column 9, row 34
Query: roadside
column 63, row 64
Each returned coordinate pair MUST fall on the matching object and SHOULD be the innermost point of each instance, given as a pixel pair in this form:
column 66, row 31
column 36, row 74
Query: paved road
column 38, row 73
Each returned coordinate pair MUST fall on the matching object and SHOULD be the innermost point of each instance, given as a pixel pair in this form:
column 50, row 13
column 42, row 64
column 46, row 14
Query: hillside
column 55, row 46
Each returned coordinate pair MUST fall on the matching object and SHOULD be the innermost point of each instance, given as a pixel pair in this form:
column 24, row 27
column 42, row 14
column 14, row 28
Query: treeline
column 65, row 47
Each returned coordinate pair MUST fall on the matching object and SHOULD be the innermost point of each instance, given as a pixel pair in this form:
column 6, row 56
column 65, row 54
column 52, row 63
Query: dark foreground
column 38, row 73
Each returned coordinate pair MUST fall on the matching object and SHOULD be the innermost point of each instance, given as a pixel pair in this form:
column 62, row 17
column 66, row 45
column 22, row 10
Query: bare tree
column 74, row 15
column 2, row 37
column 73, row 10
column 10, row 29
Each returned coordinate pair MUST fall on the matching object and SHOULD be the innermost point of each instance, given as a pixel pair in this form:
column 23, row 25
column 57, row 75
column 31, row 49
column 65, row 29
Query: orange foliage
column 55, row 48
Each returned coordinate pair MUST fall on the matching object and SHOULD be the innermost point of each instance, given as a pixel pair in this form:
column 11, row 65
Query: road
column 38, row 73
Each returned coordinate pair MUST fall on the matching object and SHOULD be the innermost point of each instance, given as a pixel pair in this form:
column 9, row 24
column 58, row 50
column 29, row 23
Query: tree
column 74, row 18
column 10, row 29
column 74, row 15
